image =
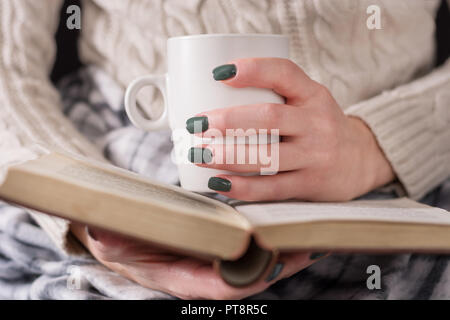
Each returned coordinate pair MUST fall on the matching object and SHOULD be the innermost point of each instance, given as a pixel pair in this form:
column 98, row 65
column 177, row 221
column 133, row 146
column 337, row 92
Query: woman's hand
column 179, row 276
column 324, row 155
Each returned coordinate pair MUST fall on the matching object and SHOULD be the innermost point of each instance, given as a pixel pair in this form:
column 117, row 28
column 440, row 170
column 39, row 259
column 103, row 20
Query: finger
column 282, row 75
column 282, row 186
column 250, row 119
column 192, row 279
column 293, row 262
column 111, row 247
column 252, row 158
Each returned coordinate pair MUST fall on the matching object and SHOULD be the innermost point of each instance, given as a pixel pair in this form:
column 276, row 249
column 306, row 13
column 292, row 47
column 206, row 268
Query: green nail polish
column 316, row 255
column 219, row 184
column 197, row 124
column 224, row 72
column 275, row 272
column 200, row 155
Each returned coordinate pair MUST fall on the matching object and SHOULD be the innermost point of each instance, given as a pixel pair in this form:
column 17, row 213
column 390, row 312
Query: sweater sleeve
column 412, row 126
column 31, row 120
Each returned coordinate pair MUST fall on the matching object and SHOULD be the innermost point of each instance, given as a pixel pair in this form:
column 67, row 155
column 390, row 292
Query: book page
column 395, row 210
column 105, row 177
column 123, row 184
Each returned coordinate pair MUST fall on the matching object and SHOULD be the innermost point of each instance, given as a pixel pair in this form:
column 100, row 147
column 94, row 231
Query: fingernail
column 275, row 272
column 219, row 184
column 317, row 255
column 91, row 234
column 197, row 124
column 227, row 71
column 200, row 155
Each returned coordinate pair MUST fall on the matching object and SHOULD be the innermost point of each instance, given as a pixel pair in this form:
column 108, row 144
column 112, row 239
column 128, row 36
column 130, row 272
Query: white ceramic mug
column 188, row 88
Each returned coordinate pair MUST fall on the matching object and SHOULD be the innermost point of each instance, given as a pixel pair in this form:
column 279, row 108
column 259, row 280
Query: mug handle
column 158, row 81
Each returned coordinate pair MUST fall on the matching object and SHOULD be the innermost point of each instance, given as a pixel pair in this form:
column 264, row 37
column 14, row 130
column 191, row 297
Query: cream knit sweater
column 382, row 76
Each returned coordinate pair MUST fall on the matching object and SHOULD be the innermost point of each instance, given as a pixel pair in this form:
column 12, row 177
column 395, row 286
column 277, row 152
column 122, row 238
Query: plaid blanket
column 32, row 268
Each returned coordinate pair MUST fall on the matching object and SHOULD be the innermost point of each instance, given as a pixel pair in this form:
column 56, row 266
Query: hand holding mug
column 189, row 88
column 324, row 155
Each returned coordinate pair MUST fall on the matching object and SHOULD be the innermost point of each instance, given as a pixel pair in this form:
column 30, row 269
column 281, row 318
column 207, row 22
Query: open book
column 244, row 241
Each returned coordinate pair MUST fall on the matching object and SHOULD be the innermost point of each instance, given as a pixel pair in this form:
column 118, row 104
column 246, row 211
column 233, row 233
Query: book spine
column 251, row 267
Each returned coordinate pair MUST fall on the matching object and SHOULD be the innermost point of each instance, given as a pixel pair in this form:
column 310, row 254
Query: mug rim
column 229, row 35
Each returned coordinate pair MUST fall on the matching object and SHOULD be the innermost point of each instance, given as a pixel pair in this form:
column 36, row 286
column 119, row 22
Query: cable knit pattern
column 412, row 126
column 377, row 75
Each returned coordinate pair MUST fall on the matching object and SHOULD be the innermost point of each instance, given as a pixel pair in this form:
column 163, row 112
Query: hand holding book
column 244, row 242
column 181, row 276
